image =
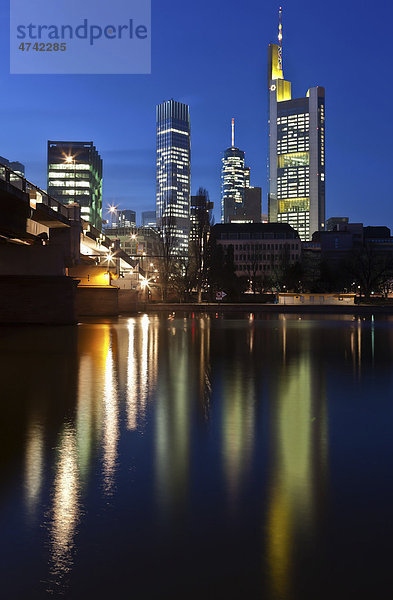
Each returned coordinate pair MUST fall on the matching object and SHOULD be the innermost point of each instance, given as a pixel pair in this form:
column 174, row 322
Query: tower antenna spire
column 279, row 39
column 233, row 133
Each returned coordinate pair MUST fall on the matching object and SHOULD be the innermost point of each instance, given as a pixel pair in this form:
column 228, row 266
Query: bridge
column 45, row 245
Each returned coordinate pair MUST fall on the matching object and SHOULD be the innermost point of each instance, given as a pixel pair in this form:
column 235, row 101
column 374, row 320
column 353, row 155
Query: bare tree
column 166, row 231
column 372, row 269
column 199, row 236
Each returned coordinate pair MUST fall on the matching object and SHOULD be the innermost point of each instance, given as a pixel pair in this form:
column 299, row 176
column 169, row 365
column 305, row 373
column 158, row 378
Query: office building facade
column 251, row 209
column 259, row 248
column 126, row 218
column 75, row 175
column 149, row 218
column 200, row 214
column 174, row 174
column 296, row 165
column 15, row 166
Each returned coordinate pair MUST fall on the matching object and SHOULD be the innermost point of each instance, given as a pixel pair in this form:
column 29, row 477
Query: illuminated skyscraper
column 75, row 175
column 235, row 177
column 174, row 173
column 296, row 151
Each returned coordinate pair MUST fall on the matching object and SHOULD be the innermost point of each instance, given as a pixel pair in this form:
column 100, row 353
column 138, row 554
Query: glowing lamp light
column 144, row 283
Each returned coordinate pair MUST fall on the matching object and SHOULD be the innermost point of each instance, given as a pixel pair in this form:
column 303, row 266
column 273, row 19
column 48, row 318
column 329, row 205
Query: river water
column 198, row 456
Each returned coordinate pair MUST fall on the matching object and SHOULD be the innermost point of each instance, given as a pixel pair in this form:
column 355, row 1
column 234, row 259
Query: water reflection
column 85, row 413
column 34, row 464
column 132, row 391
column 238, row 413
column 66, row 506
column 110, row 424
column 228, row 417
column 172, row 419
column 299, row 446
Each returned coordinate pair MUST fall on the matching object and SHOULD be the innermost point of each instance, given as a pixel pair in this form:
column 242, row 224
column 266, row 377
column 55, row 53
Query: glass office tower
column 174, row 173
column 235, row 177
column 75, row 175
column 296, row 166
column 149, row 218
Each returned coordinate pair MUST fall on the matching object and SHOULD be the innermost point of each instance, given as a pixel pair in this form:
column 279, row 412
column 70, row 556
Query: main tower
column 235, row 178
column 296, row 165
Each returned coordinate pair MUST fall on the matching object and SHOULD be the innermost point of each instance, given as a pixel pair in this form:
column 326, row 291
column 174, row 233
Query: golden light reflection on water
column 299, row 452
column 120, row 365
column 132, row 395
column 110, row 424
column 144, row 361
column 85, row 412
column 66, row 507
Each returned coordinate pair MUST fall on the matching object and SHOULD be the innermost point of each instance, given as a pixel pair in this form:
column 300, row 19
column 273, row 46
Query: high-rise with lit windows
column 296, row 171
column 235, row 177
column 75, row 175
column 174, row 174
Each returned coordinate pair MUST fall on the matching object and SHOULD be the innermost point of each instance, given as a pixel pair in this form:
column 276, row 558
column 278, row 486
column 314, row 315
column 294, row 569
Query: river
column 192, row 455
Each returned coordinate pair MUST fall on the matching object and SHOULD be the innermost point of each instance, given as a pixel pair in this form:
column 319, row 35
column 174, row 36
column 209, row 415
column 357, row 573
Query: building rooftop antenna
column 233, row 133
column 279, row 39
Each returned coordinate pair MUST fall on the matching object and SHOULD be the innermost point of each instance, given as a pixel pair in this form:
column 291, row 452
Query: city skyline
column 125, row 134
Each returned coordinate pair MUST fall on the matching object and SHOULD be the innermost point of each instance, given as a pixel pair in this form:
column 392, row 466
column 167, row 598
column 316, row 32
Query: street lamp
column 112, row 210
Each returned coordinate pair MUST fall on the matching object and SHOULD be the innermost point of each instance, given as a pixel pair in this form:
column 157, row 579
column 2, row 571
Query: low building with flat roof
column 259, row 248
column 316, row 299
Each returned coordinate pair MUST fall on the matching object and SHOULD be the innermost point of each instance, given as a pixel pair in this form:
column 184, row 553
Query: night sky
column 212, row 55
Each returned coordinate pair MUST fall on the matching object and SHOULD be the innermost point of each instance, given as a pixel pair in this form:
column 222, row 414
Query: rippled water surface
column 198, row 456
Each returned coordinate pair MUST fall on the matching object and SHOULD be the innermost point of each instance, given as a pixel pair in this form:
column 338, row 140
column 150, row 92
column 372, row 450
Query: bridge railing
column 36, row 195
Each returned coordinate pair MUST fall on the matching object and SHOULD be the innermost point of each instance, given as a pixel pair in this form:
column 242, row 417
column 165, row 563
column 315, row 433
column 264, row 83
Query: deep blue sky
column 212, row 55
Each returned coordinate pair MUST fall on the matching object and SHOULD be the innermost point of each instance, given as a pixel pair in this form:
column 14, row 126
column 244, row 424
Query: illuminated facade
column 174, row 173
column 75, row 175
column 296, row 151
column 235, row 177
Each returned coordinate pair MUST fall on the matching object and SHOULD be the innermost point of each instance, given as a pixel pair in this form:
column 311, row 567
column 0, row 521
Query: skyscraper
column 235, row 177
column 200, row 214
column 296, row 151
column 174, row 173
column 75, row 175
